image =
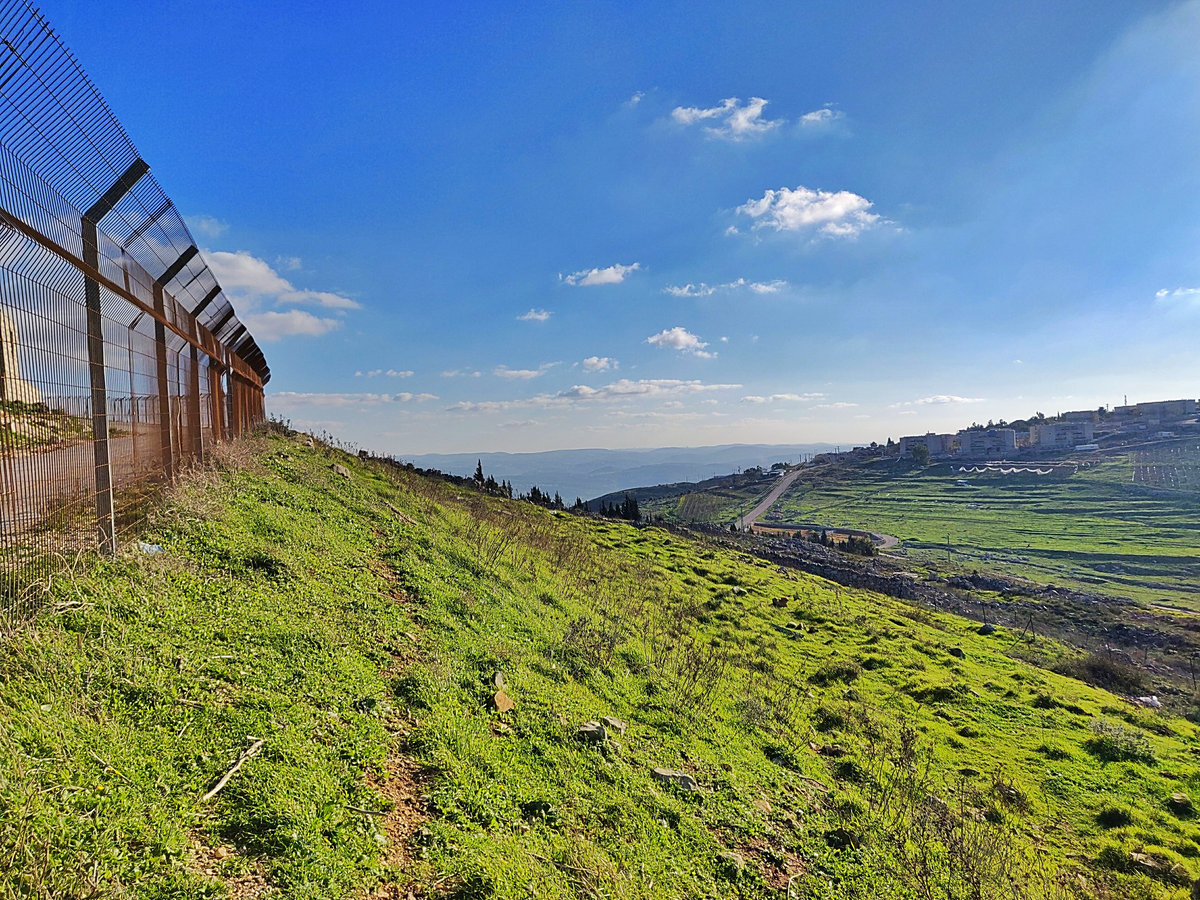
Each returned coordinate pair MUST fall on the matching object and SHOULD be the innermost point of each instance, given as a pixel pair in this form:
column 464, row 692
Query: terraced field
column 1111, row 525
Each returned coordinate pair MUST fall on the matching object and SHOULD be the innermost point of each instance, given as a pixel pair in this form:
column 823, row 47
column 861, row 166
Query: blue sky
column 480, row 226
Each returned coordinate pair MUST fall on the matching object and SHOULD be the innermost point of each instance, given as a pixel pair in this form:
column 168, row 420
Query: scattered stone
column 957, row 652
column 682, row 779
column 1151, row 702
column 592, row 732
column 779, row 602
column 502, row 702
column 613, row 724
column 763, row 806
column 498, row 681
column 339, row 469
column 1181, row 803
column 987, row 628
column 151, row 549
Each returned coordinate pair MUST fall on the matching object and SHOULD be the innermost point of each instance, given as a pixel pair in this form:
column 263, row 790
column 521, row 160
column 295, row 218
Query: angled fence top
column 120, row 356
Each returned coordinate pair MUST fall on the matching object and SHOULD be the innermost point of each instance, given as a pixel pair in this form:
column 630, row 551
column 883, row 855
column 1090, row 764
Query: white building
column 936, row 443
column 987, row 442
column 12, row 388
column 1061, row 435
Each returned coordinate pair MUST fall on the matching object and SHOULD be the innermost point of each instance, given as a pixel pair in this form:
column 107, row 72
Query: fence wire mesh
column 120, row 357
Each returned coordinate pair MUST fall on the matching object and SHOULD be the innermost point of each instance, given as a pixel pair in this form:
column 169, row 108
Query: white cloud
column 598, row 364
column 535, row 315
column 939, row 400
column 840, row 404
column 830, row 213
column 690, row 290
column 291, row 263
column 614, row 274
column 707, row 290
column 820, row 117
column 1180, row 296
column 272, row 326
column 522, row 374
column 207, row 226
column 461, row 373
column 621, row 390
column 782, row 398
column 735, row 121
column 390, row 373
column 249, row 280
column 679, row 338
column 636, row 98
column 292, row 399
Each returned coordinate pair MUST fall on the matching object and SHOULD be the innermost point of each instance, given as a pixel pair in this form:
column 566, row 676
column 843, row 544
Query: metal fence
column 120, row 357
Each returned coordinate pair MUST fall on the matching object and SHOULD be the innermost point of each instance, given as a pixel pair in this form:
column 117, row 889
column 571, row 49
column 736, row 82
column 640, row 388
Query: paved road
column 62, row 480
column 768, row 501
column 885, row 541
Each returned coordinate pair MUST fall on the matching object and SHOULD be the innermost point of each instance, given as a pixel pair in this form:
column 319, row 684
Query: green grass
column 1096, row 530
column 356, row 624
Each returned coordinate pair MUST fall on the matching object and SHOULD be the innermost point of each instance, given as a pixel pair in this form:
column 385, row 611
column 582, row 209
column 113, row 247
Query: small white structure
column 12, row 388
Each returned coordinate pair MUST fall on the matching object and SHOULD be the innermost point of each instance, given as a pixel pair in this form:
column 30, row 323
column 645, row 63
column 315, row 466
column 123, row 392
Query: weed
column 1113, row 742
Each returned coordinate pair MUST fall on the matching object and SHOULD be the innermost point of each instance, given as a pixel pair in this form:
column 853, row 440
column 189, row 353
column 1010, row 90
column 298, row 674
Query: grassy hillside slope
column 828, row 744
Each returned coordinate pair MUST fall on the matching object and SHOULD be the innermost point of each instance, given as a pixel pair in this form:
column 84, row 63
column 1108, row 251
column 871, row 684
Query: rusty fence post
column 105, row 516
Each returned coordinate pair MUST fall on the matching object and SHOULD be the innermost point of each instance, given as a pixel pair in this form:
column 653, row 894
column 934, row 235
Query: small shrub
column 1114, row 817
column 1104, row 671
column 835, row 670
column 1050, row 751
column 1113, row 742
column 825, row 719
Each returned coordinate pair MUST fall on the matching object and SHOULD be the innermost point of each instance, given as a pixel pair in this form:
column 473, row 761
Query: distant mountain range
column 590, row 473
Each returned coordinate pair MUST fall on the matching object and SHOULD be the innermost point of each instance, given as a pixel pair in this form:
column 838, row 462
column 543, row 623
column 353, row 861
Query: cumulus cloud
column 939, row 400
column 461, row 373
column 707, row 290
column 272, row 326
column 207, row 226
column 829, row 213
column 598, row 364
column 293, row 399
column 535, row 315
column 522, row 374
column 820, row 117
column 679, row 338
column 732, row 121
column 245, row 276
column 621, row 390
column 390, row 373
column 614, row 274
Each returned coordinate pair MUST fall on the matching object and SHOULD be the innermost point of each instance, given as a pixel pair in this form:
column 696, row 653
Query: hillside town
column 1079, row 430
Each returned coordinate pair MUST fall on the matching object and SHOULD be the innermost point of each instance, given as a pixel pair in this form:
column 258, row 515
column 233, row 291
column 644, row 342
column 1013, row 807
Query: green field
column 843, row 745
column 1128, row 525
